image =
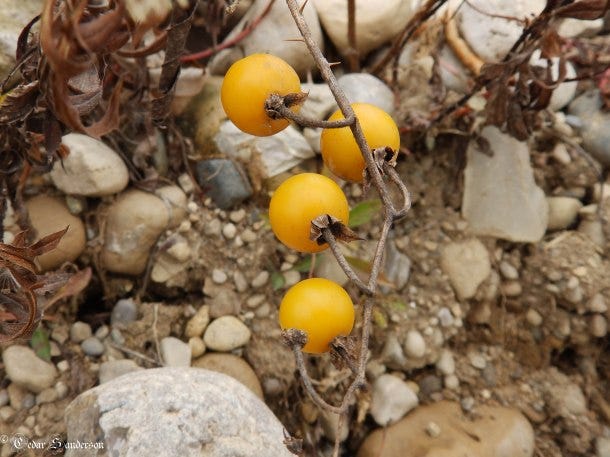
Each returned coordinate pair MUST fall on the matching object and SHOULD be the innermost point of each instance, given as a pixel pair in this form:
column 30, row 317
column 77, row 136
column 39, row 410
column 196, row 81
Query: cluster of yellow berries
column 319, row 307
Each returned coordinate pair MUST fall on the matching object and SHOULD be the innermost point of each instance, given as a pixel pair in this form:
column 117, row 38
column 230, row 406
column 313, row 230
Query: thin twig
column 276, row 109
column 352, row 54
column 233, row 41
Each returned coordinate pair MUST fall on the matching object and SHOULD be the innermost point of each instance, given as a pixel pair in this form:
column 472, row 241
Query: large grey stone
column 174, row 412
column 501, row 198
column 276, row 153
column 272, row 35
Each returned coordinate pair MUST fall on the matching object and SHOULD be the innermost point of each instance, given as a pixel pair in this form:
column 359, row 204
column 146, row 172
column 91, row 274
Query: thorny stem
column 276, row 109
column 375, row 171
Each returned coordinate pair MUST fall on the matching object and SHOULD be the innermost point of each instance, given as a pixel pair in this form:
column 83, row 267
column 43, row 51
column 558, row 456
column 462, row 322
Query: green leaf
column 304, row 265
column 40, row 344
column 363, row 212
column 277, row 280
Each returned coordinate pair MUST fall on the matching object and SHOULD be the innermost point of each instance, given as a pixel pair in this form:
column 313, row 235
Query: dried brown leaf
column 339, row 230
column 75, row 284
column 585, row 9
column 19, row 103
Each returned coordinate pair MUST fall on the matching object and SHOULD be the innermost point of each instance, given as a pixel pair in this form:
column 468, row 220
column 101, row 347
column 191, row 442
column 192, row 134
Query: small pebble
column 92, row 347
column 599, row 326
column 102, row 332
column 508, row 271
column 452, row 382
column 255, row 300
column 446, row 363
column 391, row 399
column 124, row 312
column 197, row 347
column 4, row 399
column 225, row 334
column 489, row 375
column 29, row 401
column 248, row 236
column 229, row 231
column 415, row 345
column 597, row 304
column 445, row 317
column 213, row 228
column 430, row 384
column 219, row 276
column 241, row 284
column 261, row 279
column 117, row 337
column 63, row 366
column 433, row 430
column 477, row 360
column 291, row 277
column 62, row 390
column 60, row 334
column 237, row 216
column 512, row 288
column 175, row 352
column 80, row 331
column 263, row 311
column 197, row 324
column 49, row 395
column 6, row 413
column 467, row 403
column 533, row 317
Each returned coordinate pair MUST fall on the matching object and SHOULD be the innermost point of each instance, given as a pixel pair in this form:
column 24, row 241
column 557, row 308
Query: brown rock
column 49, row 215
column 494, row 432
column 233, row 366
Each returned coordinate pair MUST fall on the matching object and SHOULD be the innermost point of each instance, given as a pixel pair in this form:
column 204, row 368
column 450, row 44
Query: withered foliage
column 79, row 68
column 519, row 90
column 19, row 313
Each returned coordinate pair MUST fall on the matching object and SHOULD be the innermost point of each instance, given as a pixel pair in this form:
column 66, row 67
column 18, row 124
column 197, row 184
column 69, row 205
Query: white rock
column 203, row 413
column 26, row 369
column 219, row 276
column 492, row 37
column 366, row 88
column 377, row 21
column 276, row 153
column 135, row 221
column 595, row 129
column 260, row 279
column 91, row 169
column 226, row 333
column 391, row 399
column 271, row 36
column 562, row 212
column 175, row 352
column 501, row 198
column 415, row 345
column 467, row 264
column 565, row 92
